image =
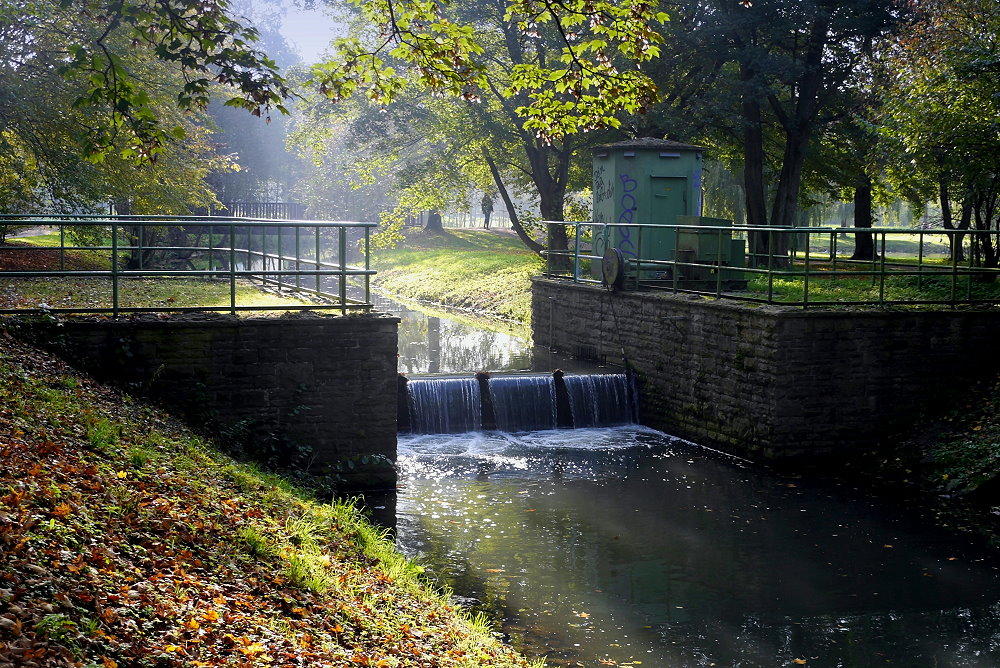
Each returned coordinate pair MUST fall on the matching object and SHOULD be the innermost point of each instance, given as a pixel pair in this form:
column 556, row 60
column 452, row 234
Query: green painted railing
column 311, row 257
column 803, row 266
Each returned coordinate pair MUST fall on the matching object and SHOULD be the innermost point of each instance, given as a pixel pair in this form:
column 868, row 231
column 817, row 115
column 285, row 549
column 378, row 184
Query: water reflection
column 624, row 545
column 429, row 343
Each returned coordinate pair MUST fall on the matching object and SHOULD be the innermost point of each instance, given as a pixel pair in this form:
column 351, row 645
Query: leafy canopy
column 83, row 40
column 585, row 87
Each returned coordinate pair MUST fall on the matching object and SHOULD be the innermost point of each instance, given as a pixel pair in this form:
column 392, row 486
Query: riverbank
column 129, row 541
column 484, row 271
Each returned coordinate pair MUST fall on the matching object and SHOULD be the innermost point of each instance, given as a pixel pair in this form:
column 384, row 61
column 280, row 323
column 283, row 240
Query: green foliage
column 196, row 38
column 942, row 113
column 582, row 88
column 103, row 435
column 61, row 629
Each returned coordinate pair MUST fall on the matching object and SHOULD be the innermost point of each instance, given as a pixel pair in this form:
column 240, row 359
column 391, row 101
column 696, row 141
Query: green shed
column 654, row 182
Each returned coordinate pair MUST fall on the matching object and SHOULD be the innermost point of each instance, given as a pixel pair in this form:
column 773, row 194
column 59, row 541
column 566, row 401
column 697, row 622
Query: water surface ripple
column 619, row 546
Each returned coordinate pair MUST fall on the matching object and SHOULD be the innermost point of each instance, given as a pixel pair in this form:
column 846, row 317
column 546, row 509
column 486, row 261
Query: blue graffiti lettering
column 628, row 207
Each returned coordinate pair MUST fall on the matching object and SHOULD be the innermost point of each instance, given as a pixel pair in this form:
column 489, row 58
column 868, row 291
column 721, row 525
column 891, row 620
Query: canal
column 627, row 547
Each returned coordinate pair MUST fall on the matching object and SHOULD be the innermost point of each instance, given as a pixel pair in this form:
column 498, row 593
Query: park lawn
column 83, row 292
column 163, row 292
column 127, row 540
column 487, row 271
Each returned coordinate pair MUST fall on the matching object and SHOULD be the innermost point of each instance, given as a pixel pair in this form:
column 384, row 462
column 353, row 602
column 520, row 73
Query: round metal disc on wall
column 613, row 268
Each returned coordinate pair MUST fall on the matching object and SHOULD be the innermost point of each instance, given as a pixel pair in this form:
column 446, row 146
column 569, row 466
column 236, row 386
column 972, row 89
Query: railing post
column 833, row 256
column 770, row 266
column 674, row 271
column 718, row 264
column 548, row 245
column 114, row 269
column 953, row 241
column 232, row 267
column 368, row 298
column 805, row 276
column 920, row 261
column 298, row 255
column 281, row 259
column 343, row 269
column 317, row 261
column 62, row 246
column 576, row 253
column 881, row 273
column 968, row 277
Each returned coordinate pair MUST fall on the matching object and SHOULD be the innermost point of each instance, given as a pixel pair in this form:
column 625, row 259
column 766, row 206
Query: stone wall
column 770, row 382
column 322, row 384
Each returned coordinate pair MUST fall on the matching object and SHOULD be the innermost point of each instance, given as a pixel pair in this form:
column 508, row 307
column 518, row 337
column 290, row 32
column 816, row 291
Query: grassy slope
column 482, row 270
column 127, row 541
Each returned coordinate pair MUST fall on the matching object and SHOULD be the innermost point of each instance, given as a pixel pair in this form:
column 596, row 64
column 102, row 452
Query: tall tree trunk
column 753, row 170
column 515, row 221
column 864, row 242
column 957, row 254
column 798, row 127
column 786, row 197
column 984, row 205
column 434, row 222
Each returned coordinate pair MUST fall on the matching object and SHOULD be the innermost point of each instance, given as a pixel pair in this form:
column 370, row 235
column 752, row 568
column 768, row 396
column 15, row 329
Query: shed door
column 669, row 199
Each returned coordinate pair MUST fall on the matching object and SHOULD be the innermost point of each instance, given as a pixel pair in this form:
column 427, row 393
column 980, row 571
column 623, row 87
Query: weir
column 515, row 403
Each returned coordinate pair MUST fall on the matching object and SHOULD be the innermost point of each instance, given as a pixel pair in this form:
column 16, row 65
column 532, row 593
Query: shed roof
column 650, row 143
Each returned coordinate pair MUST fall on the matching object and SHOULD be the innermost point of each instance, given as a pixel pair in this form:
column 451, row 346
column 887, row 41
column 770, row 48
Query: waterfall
column 524, row 403
column 601, row 400
column 444, row 405
column 518, row 403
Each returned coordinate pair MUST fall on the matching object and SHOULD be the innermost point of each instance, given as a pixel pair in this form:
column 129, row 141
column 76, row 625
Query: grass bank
column 125, row 540
column 486, row 271
column 955, row 453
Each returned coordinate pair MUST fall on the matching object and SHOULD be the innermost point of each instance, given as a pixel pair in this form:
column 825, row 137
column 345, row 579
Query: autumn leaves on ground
column 127, row 541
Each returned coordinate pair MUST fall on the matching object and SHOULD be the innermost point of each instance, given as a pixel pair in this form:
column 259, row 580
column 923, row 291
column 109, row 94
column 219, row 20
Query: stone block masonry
column 770, row 382
column 322, row 384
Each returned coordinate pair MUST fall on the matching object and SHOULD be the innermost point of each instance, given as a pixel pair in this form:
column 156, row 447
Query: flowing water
column 618, row 546
column 624, row 546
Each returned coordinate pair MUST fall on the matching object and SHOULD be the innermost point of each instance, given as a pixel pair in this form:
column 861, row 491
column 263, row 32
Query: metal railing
column 294, row 256
column 804, row 266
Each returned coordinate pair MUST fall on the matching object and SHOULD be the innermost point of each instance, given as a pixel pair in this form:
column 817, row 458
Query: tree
column 761, row 82
column 91, row 43
column 444, row 148
column 943, row 112
column 44, row 137
column 581, row 88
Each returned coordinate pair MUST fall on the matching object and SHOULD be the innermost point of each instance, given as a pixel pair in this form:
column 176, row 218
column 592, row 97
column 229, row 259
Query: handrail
column 789, row 266
column 237, row 249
